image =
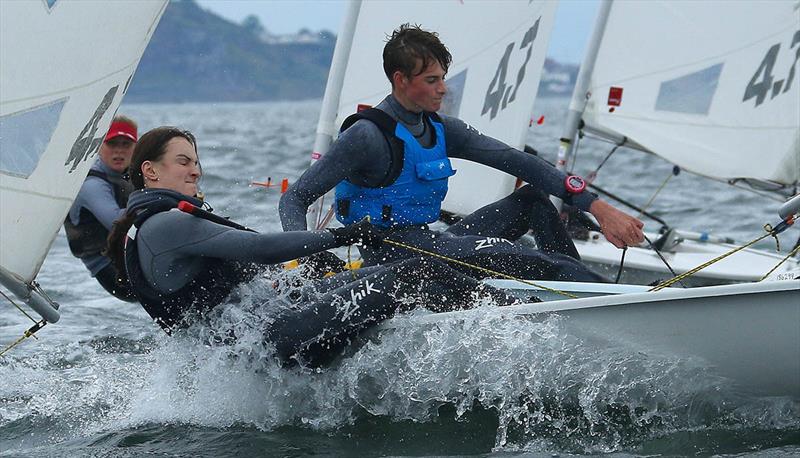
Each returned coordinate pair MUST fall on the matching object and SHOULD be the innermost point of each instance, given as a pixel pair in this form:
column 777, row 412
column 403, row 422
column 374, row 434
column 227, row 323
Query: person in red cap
column 101, row 200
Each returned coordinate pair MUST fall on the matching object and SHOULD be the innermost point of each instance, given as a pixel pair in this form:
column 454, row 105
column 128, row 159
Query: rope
column 653, row 197
column 593, row 175
column 663, row 259
column 29, row 333
column 621, row 263
column 18, row 307
column 666, row 283
column 479, row 268
column 791, row 253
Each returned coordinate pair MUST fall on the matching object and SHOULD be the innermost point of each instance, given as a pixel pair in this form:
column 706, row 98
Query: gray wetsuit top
column 174, row 247
column 362, row 155
column 97, row 196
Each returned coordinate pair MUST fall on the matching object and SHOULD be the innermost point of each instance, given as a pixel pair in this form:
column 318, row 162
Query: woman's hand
column 361, row 232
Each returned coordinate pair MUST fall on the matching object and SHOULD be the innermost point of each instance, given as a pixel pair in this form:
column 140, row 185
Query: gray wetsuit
column 176, row 261
column 363, row 156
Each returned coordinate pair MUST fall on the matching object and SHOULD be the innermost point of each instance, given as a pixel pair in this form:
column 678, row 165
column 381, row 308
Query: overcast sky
column 574, row 19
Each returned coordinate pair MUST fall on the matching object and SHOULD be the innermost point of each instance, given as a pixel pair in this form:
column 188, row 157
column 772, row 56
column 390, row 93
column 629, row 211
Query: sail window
column 691, row 93
column 24, row 137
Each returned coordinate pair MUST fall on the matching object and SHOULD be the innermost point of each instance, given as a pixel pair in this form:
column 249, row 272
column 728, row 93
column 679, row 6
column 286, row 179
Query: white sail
column 64, row 68
column 498, row 52
column 711, row 86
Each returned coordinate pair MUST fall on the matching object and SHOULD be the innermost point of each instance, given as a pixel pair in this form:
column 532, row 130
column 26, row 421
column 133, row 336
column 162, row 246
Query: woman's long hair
column 150, row 147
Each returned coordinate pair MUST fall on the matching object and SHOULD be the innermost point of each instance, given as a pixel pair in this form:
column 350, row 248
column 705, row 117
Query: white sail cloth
column 64, row 68
column 711, row 86
column 498, row 52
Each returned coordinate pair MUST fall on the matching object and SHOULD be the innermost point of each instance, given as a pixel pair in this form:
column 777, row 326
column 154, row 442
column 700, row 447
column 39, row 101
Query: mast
column 580, row 94
column 326, row 127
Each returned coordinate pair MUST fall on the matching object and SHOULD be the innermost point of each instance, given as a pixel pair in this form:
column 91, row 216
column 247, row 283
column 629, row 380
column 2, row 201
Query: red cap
column 121, row 129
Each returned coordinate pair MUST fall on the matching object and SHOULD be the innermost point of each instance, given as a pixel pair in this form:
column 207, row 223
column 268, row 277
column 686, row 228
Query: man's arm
column 465, row 142
column 361, row 151
column 97, row 196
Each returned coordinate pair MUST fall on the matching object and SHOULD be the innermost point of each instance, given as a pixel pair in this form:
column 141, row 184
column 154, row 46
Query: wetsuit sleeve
column 203, row 238
column 97, row 196
column 465, row 142
column 350, row 156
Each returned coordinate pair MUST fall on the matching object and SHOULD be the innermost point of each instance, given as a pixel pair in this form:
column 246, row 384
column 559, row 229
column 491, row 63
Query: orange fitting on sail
column 284, row 185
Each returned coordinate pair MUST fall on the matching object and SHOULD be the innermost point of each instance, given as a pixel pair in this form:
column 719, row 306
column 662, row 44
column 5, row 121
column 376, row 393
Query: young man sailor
column 101, row 200
column 393, row 162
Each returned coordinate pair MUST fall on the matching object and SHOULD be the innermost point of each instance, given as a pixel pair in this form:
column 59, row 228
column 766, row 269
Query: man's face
column 424, row 91
column 116, row 153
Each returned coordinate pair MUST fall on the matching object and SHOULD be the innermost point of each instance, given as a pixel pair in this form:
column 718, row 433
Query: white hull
column 747, row 333
column 643, row 266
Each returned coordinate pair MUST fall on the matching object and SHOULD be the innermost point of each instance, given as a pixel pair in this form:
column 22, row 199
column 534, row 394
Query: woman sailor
column 181, row 266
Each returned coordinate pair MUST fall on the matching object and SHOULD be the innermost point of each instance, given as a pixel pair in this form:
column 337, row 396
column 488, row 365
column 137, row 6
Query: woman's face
column 178, row 169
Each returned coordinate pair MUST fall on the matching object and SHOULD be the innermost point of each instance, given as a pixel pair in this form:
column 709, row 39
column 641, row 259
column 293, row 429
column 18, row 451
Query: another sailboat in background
column 489, row 85
column 64, row 69
column 712, row 91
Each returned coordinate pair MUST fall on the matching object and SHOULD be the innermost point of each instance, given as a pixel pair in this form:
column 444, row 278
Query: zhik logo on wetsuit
column 352, row 306
column 489, row 242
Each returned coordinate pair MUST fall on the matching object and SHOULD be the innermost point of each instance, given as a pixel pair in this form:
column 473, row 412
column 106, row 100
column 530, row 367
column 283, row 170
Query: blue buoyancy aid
column 210, row 287
column 416, row 195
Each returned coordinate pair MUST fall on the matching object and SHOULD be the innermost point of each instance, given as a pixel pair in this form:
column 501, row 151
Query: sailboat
column 64, row 69
column 748, row 333
column 716, row 98
column 495, row 70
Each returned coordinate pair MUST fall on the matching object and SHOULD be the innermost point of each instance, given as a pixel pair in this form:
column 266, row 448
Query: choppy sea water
column 105, row 381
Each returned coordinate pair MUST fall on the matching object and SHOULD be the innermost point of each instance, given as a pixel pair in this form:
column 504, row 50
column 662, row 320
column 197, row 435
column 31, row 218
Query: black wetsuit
column 363, row 156
column 181, row 278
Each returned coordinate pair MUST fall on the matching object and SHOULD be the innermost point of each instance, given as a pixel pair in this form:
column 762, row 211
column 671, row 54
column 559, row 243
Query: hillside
column 197, row 56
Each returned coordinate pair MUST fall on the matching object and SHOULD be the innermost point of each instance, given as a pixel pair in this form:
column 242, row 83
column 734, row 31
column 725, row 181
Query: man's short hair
column 409, row 44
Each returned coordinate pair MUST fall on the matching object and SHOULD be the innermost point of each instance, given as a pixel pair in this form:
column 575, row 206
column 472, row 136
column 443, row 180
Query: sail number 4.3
column 498, row 94
column 763, row 82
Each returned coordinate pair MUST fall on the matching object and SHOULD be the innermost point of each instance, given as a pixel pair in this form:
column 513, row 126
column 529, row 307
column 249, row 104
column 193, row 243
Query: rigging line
column 29, row 333
column 791, row 253
column 653, row 197
column 664, row 284
column 621, row 263
column 479, row 268
column 753, row 191
column 17, row 306
column 592, row 175
column 663, row 259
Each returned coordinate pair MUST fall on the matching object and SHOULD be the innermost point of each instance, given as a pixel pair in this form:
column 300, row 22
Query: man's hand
column 619, row 228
